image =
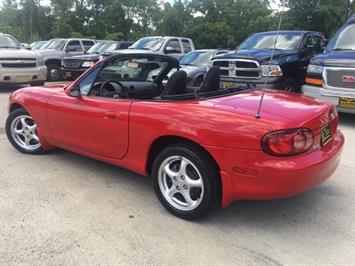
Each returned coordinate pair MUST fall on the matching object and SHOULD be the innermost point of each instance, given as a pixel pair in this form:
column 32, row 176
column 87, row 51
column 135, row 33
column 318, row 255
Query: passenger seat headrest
column 212, row 80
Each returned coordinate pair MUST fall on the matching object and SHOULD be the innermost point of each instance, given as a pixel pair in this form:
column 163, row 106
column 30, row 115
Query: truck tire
column 53, row 72
column 291, row 85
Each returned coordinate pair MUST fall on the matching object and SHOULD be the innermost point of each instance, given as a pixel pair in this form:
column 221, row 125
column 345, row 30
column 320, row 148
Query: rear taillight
column 288, row 142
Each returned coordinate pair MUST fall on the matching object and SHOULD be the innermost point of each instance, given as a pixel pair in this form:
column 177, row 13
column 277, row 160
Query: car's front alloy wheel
column 186, row 181
column 21, row 131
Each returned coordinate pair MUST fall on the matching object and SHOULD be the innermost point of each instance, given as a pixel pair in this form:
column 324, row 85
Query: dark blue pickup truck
column 249, row 64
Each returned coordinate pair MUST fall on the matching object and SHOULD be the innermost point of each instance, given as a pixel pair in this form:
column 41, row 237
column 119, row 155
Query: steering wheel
column 117, row 89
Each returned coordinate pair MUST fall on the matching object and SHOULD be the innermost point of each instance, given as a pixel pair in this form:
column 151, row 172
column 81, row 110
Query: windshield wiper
column 188, row 65
column 6, row 46
column 343, row 49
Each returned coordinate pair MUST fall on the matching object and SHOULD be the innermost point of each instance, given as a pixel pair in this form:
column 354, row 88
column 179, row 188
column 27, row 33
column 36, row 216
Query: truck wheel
column 291, row 86
column 53, row 72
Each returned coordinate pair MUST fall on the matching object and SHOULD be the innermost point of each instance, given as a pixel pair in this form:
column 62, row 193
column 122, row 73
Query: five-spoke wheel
column 186, row 180
column 21, row 131
column 180, row 183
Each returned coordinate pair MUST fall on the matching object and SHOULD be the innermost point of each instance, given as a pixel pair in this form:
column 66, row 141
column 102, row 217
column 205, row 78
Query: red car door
column 92, row 124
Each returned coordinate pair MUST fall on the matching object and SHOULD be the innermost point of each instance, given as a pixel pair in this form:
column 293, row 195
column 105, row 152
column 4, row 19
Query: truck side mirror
column 70, row 49
column 169, row 50
column 308, row 49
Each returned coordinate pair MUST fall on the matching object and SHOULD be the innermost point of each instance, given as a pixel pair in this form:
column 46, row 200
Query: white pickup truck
column 18, row 65
column 169, row 45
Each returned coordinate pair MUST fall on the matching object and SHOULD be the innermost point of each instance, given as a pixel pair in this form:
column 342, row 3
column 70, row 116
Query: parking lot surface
column 64, row 209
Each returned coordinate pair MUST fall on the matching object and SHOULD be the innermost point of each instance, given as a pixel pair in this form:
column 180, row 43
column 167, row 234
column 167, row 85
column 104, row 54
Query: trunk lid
column 281, row 109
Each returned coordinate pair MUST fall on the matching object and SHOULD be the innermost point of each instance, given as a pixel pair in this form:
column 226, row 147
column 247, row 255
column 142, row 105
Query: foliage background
column 210, row 23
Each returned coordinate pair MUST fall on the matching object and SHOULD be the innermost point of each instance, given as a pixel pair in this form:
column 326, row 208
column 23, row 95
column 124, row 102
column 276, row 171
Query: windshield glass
column 196, row 58
column 9, row 42
column 45, row 45
column 153, row 44
column 286, row 41
column 96, row 48
column 108, row 47
column 56, row 44
column 344, row 39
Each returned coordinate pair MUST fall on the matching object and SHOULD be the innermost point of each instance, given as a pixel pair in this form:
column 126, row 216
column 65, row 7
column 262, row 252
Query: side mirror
column 69, row 49
column 169, row 50
column 308, row 49
column 75, row 91
column 27, row 47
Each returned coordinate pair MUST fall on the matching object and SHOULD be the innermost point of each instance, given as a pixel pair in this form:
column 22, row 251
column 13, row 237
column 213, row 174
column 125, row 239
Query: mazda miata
column 203, row 148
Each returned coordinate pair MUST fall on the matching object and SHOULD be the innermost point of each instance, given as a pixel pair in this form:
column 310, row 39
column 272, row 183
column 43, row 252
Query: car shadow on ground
column 347, row 119
column 274, row 214
column 9, row 89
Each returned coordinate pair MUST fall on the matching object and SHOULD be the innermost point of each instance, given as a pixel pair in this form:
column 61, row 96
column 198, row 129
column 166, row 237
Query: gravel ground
column 63, row 208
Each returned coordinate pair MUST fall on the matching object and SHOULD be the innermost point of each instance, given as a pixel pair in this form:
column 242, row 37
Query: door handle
column 111, row 115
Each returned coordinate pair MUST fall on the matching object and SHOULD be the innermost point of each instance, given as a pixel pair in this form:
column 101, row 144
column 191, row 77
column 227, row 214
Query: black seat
column 176, row 84
column 211, row 80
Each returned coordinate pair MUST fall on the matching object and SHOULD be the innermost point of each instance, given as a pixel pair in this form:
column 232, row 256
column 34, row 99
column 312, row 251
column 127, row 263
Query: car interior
column 141, row 77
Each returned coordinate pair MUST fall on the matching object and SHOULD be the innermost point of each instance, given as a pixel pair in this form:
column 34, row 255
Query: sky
column 274, row 3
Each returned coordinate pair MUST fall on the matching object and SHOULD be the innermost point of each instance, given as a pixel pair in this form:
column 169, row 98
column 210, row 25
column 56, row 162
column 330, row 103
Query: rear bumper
column 22, row 75
column 254, row 175
column 329, row 96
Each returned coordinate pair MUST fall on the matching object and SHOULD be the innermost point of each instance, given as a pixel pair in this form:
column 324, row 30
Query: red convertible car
column 202, row 147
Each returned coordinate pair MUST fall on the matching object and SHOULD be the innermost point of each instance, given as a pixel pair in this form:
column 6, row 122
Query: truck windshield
column 196, row 58
column 8, row 42
column 108, row 47
column 153, row 44
column 56, row 44
column 288, row 41
column 95, row 49
column 344, row 39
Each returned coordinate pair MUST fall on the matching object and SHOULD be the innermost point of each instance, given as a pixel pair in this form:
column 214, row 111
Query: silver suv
column 18, row 65
column 57, row 49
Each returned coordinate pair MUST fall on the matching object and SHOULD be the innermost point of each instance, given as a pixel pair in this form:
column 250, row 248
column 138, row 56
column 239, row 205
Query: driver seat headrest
column 212, row 80
column 176, row 84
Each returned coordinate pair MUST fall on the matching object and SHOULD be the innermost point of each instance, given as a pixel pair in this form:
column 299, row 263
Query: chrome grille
column 72, row 63
column 18, row 62
column 239, row 68
column 18, row 65
column 340, row 78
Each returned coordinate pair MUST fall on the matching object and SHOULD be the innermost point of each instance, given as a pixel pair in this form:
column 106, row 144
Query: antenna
column 257, row 115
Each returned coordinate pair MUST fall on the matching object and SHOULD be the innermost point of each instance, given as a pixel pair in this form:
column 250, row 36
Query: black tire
column 53, row 72
column 291, row 85
column 37, row 83
column 209, row 174
column 13, row 115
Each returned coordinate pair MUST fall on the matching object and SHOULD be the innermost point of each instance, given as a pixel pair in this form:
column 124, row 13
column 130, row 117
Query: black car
column 249, row 64
column 73, row 67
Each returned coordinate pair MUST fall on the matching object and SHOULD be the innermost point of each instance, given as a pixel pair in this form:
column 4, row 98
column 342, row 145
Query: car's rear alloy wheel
column 186, row 181
column 21, row 131
column 180, row 183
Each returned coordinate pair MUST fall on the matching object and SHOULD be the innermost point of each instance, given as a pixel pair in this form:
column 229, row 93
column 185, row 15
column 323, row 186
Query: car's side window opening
column 174, row 45
column 142, row 77
column 74, row 46
column 131, row 70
